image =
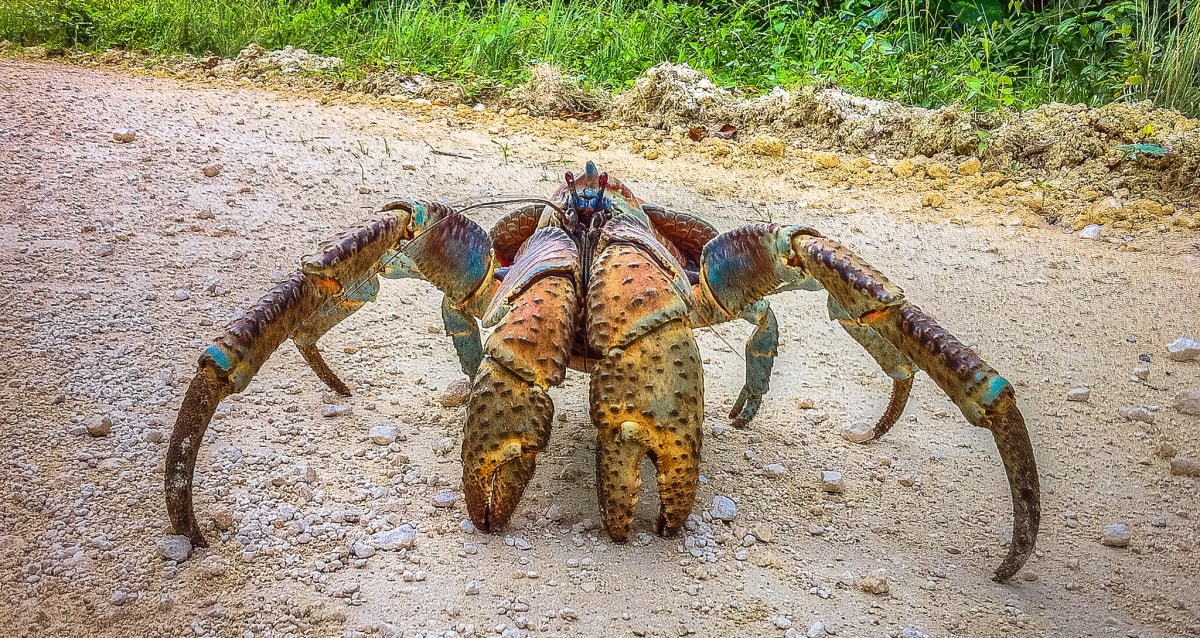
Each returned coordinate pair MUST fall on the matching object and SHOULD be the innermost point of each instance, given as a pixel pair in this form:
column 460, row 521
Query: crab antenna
column 570, row 177
column 603, row 181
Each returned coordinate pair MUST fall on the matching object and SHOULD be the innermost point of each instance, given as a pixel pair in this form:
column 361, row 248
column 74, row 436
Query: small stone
column 858, row 431
column 456, row 394
column 1140, row 373
column 933, row 200
column 408, row 166
column 1187, row 402
column 1158, row 521
column 177, row 548
column 1079, row 394
column 466, row 526
column 1116, row 535
column 473, row 588
column 99, row 426
column 970, row 167
column 874, row 583
column 723, row 508
column 937, row 170
column 1183, row 466
column 123, row 135
column 213, row 286
column 330, row 410
column 384, row 434
column 1183, row 349
column 402, row 537
column 223, row 519
column 767, row 146
column 904, row 168
column 774, row 470
column 1091, row 231
column 826, row 160
column 782, row 622
column 106, row 250
column 212, row 170
column 388, row 630
column 362, row 549
column 763, row 532
column 816, row 530
column 1138, row 413
column 444, row 499
column 182, row 295
column 816, row 630
column 832, row 482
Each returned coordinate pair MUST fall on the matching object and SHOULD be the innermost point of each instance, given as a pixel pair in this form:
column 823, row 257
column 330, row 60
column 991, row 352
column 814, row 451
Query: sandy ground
column 98, row 239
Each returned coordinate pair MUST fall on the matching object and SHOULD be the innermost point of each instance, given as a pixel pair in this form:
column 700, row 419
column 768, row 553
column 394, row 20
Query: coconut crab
column 600, row 281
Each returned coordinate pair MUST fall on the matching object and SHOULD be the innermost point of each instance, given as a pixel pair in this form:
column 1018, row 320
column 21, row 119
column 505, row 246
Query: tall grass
column 925, row 52
column 1169, row 53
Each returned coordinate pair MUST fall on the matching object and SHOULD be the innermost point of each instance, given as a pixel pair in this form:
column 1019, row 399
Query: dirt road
column 122, row 260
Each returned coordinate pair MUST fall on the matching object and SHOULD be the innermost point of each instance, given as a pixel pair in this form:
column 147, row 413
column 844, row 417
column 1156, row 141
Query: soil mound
column 550, row 91
column 1053, row 137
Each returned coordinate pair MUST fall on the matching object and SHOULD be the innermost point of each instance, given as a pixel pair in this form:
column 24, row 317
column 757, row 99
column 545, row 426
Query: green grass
column 982, row 53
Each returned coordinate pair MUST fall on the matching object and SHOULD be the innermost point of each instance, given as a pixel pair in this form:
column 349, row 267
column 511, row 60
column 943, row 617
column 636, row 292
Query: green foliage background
column 984, row 54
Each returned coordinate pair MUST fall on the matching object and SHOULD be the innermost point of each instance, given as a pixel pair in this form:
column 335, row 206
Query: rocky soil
column 140, row 214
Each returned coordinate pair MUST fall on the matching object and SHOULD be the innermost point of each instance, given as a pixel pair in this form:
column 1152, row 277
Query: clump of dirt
column 411, row 86
column 674, row 95
column 550, row 91
column 255, row 61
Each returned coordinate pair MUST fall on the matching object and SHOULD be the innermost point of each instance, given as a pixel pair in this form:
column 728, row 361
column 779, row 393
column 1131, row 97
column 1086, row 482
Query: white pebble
column 1091, row 231
column 723, row 508
column 384, row 434
column 1183, row 349
column 330, row 410
column 176, row 548
column 1116, row 535
column 774, row 470
column 1080, row 393
column 832, row 482
column 858, row 431
column 1138, row 413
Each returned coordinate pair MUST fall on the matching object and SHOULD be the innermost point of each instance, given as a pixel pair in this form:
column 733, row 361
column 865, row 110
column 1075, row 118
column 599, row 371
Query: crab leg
column 741, row 266
column 510, row 412
column 330, row 286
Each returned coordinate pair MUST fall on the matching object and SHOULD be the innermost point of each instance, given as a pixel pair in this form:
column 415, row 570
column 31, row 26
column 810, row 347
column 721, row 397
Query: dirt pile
column 550, row 91
column 255, row 61
column 1052, row 137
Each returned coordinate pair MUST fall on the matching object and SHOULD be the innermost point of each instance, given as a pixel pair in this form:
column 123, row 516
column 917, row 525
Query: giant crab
column 597, row 280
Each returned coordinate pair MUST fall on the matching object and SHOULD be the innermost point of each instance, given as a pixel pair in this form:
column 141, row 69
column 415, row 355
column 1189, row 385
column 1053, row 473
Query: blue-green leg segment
column 894, row 364
column 464, row 331
column 761, row 349
column 326, row 317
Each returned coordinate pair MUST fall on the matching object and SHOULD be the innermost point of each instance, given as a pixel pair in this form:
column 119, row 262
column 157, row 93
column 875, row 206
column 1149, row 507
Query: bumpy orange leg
column 647, row 392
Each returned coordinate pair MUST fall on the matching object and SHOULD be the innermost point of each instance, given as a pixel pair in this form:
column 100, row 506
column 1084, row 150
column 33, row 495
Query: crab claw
column 510, row 414
column 497, row 467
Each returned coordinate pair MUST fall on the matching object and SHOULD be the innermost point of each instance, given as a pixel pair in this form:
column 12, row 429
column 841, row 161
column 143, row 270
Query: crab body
column 597, row 280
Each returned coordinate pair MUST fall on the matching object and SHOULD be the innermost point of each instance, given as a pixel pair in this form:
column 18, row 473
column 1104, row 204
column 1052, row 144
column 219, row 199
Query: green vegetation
column 983, row 53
